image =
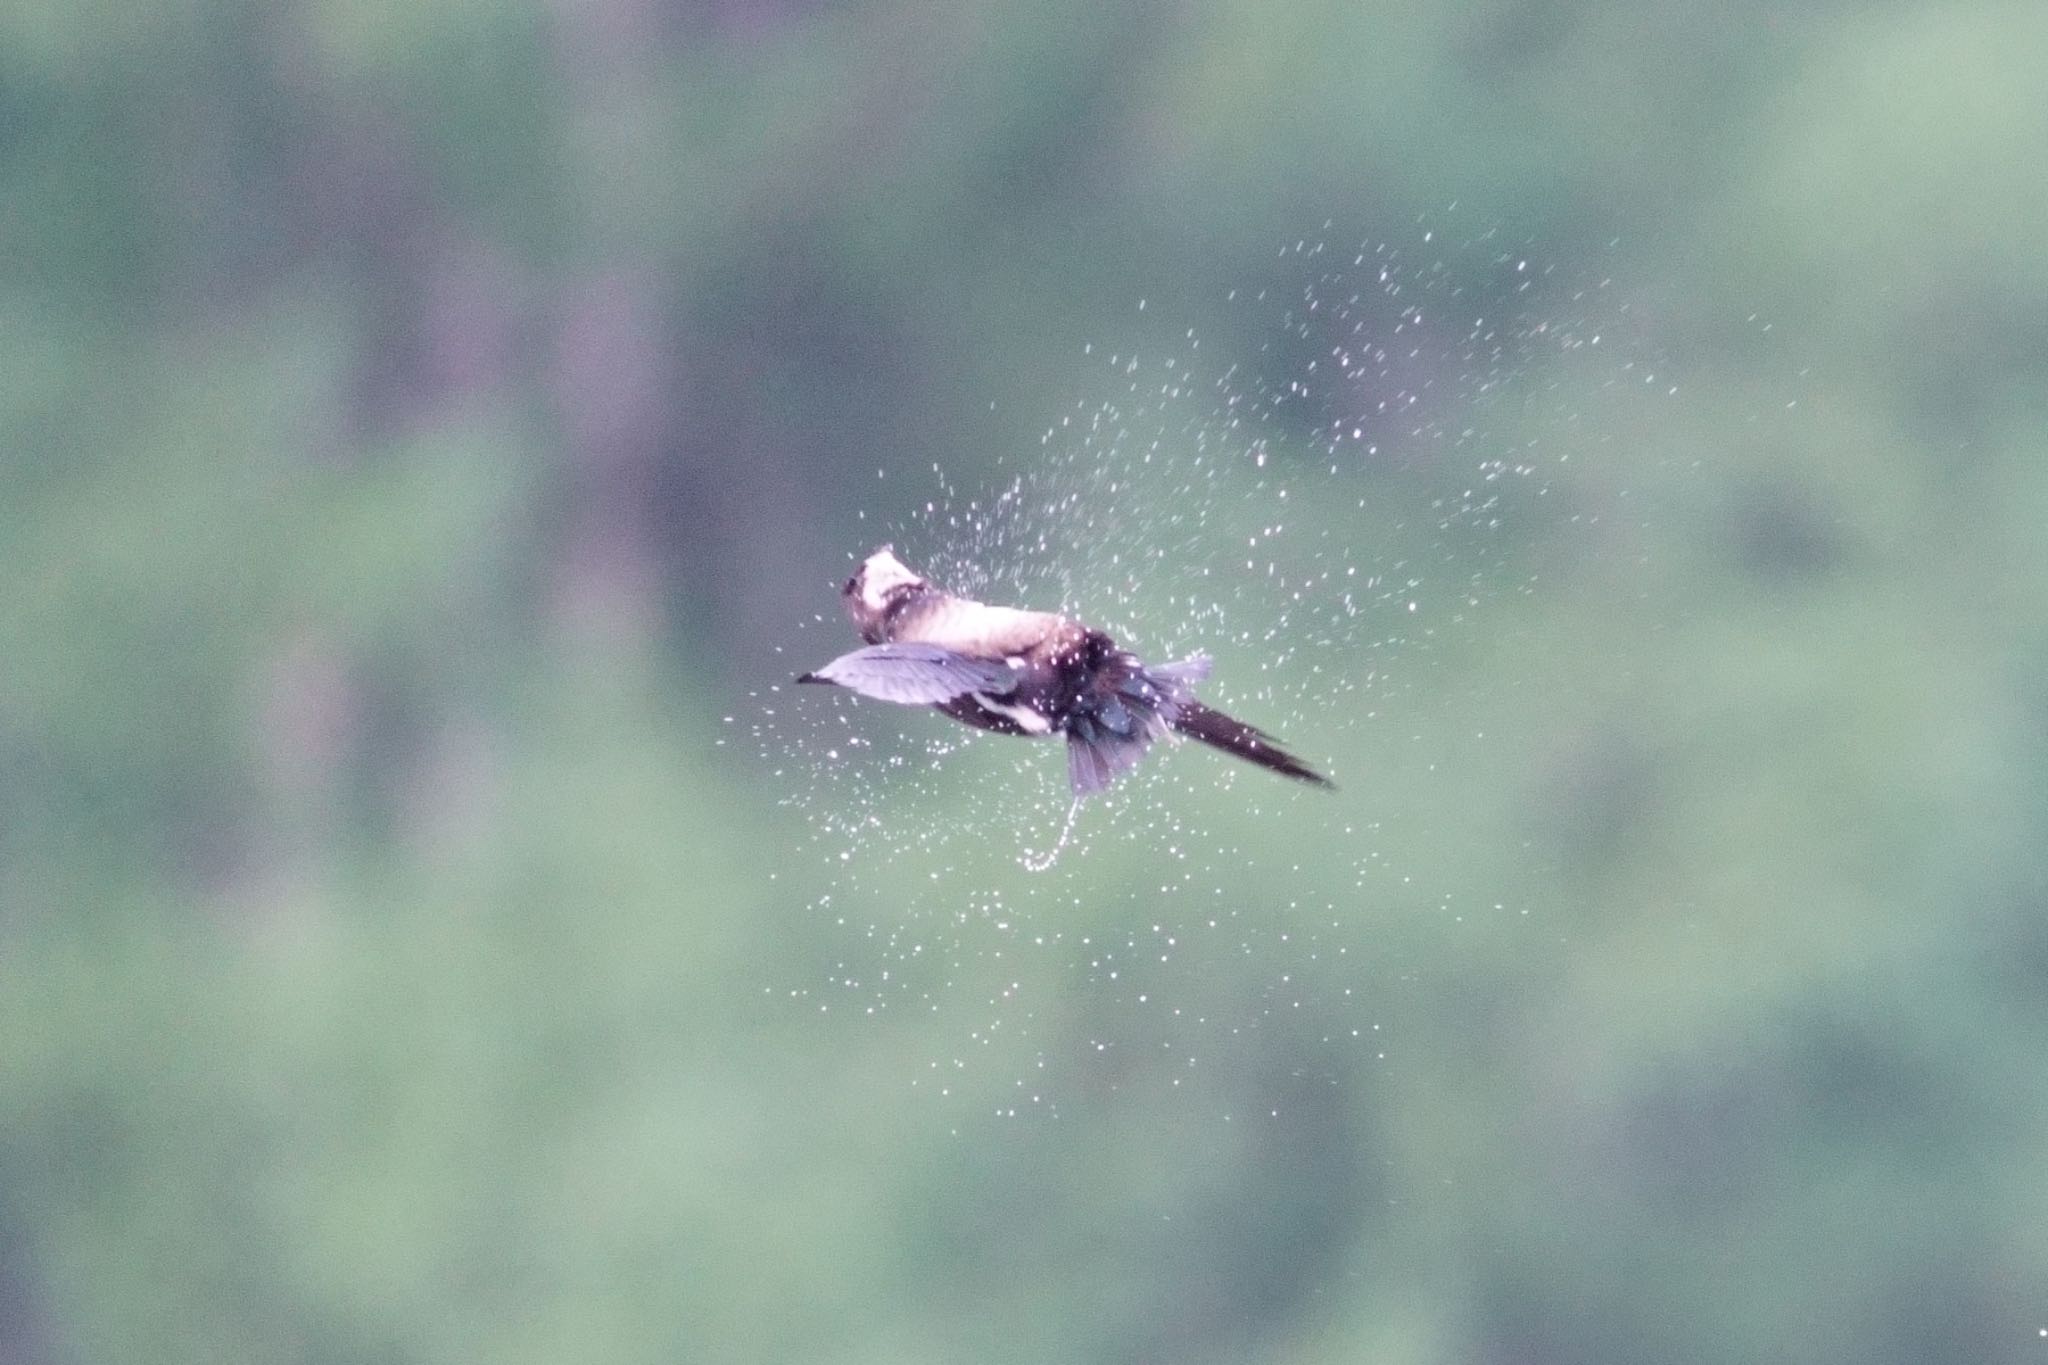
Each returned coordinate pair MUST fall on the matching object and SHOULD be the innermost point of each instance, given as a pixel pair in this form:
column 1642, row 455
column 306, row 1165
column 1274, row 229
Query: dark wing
column 915, row 674
column 1125, row 707
column 1097, row 756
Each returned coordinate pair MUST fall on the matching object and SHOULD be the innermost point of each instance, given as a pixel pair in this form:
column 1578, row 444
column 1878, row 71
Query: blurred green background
column 423, row 422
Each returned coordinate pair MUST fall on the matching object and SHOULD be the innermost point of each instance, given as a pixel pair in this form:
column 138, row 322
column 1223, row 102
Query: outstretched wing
column 915, row 674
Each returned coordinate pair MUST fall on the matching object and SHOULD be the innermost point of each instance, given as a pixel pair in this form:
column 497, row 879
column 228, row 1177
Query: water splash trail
column 1042, row 862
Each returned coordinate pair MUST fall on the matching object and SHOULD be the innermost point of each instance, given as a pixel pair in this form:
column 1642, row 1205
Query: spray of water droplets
column 1322, row 512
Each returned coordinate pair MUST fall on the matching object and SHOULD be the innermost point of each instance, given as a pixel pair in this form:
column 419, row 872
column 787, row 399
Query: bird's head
column 881, row 580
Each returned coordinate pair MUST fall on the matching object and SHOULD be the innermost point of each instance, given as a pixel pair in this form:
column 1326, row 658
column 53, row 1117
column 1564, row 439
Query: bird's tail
column 1128, row 705
column 1239, row 740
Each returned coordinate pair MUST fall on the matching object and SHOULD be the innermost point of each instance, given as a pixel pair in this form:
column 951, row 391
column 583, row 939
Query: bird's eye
column 852, row 586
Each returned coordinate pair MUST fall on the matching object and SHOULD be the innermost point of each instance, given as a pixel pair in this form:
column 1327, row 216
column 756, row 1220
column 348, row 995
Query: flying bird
column 1030, row 673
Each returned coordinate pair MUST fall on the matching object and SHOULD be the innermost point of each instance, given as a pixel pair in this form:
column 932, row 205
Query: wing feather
column 914, row 674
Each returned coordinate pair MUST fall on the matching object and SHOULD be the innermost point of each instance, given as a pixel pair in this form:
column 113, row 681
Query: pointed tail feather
column 1239, row 740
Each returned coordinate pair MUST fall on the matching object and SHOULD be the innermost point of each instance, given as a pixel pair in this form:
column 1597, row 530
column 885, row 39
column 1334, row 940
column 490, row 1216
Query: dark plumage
column 1030, row 673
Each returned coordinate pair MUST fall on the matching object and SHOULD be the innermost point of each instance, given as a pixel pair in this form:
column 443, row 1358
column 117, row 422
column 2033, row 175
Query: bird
column 1031, row 673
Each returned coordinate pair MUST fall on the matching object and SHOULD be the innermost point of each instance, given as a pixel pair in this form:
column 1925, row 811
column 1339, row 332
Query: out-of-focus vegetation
column 421, row 422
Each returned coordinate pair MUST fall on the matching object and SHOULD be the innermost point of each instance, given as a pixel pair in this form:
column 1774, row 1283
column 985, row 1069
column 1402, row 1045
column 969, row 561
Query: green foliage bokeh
column 421, row 424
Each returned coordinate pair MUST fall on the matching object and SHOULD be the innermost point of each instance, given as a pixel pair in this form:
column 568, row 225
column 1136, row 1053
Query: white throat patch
column 882, row 573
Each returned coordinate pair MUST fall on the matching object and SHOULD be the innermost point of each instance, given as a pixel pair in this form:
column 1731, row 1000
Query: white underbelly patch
column 1023, row 717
